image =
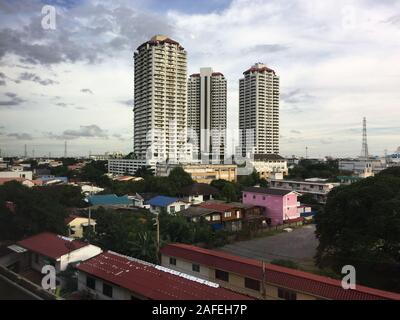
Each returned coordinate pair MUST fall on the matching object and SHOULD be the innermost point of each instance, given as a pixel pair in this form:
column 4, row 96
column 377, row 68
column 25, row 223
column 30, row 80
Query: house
column 140, row 199
column 77, row 225
column 16, row 174
column 89, row 189
column 111, row 276
column 169, row 204
column 222, row 215
column 261, row 280
column 198, row 193
column 279, row 205
column 108, row 200
column 318, row 188
column 49, row 248
column 127, row 178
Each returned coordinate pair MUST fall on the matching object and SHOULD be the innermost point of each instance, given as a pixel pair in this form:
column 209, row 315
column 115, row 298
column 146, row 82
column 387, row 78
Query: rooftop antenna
column 364, row 149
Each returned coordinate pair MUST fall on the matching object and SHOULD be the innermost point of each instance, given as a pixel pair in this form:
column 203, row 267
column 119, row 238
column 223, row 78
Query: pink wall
column 277, row 208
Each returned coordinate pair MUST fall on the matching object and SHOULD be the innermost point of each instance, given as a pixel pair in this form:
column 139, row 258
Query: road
column 299, row 246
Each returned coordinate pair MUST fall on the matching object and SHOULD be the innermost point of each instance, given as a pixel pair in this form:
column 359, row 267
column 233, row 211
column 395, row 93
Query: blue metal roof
column 108, row 199
column 161, row 201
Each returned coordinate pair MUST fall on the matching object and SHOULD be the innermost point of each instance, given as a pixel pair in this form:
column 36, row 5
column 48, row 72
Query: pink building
column 279, row 205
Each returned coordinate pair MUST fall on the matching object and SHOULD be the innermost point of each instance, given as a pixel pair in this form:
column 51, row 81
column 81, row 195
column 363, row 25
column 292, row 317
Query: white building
column 160, row 113
column 121, row 167
column 319, row 188
column 270, row 166
column 207, row 113
column 50, row 249
column 16, row 174
column 359, row 166
column 259, row 110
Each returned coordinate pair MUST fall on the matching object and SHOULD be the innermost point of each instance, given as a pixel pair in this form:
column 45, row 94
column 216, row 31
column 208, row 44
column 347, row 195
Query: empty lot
column 299, row 246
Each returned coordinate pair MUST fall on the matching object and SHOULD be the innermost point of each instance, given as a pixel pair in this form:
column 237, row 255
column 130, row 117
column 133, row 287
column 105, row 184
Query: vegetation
column 360, row 226
column 25, row 212
column 286, row 263
column 308, row 169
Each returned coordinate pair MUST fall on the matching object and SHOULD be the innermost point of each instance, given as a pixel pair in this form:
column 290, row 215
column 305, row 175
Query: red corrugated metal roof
column 297, row 280
column 263, row 69
column 146, row 280
column 51, row 245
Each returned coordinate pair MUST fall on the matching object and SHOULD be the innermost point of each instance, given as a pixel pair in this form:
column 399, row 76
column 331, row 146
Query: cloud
column 2, row 83
column 296, row 96
column 20, row 136
column 26, row 76
column 265, row 48
column 63, row 104
column 295, row 131
column 13, row 100
column 128, row 102
column 90, row 131
column 87, row 91
column 119, row 137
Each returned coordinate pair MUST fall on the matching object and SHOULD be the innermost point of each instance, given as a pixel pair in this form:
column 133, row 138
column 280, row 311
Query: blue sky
column 337, row 60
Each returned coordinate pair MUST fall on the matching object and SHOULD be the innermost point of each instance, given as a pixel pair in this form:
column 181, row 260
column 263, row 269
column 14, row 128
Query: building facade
column 207, row 92
column 261, row 280
column 160, row 106
column 202, row 173
column 270, row 165
column 259, row 111
column 279, row 205
column 318, row 188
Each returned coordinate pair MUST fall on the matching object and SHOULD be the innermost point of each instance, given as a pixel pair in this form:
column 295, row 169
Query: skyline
column 75, row 83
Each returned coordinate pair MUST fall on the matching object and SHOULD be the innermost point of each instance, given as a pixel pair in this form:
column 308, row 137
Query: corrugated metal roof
column 162, row 201
column 108, row 199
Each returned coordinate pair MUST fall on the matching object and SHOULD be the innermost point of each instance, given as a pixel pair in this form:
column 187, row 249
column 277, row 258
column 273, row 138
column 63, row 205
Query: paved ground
column 299, row 246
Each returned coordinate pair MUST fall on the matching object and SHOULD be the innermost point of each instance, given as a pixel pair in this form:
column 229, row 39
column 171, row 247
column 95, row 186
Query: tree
column 228, row 193
column 144, row 172
column 180, row 178
column 360, row 226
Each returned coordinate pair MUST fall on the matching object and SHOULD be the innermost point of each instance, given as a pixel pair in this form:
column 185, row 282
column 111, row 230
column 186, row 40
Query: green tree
column 360, row 226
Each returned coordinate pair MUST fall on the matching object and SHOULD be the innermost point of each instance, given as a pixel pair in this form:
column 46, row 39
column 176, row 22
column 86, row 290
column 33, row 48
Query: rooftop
column 153, row 281
column 51, row 245
column 199, row 189
column 274, row 192
column 162, row 201
column 268, row 157
column 288, row 278
column 108, row 199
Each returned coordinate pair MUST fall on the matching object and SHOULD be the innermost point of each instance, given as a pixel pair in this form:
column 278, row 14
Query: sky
column 338, row 61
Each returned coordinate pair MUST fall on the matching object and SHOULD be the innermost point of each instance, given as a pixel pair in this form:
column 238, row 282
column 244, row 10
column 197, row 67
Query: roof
column 108, row 199
column 301, row 281
column 256, row 69
column 273, row 192
column 195, row 211
column 268, row 157
column 199, row 189
column 70, row 218
column 162, row 201
column 160, row 39
column 152, row 281
column 217, row 206
column 51, row 245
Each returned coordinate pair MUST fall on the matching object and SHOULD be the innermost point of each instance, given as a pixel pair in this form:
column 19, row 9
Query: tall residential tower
column 259, row 111
column 160, row 100
column 207, row 114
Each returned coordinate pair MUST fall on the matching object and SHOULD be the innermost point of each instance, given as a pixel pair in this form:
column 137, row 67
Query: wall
column 272, row 204
column 76, row 224
column 16, row 174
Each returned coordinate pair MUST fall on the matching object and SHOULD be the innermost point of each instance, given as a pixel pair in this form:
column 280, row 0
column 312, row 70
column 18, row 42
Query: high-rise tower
column 207, row 113
column 364, row 148
column 160, row 111
column 259, row 111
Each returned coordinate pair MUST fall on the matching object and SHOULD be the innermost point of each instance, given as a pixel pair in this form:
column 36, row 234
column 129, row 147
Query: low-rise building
column 279, row 205
column 201, row 173
column 50, row 249
column 111, row 276
column 359, row 166
column 269, row 165
column 78, row 225
column 319, row 189
column 259, row 279
column 120, row 167
column 170, row 204
column 198, row 193
column 16, row 174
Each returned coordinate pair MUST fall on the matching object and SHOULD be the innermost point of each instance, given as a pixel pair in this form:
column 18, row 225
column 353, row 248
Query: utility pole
column 158, row 237
column 263, row 288
column 364, row 149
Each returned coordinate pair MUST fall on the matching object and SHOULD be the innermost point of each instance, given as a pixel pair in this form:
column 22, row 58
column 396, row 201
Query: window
column 286, row 294
column 227, row 214
column 252, row 284
column 222, row 275
column 90, row 283
column 245, row 195
column 172, row 209
column 254, row 197
column 195, row 267
column 172, row 261
column 215, row 217
column 182, row 207
column 107, row 290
